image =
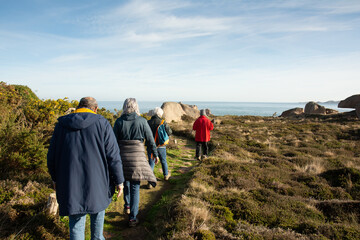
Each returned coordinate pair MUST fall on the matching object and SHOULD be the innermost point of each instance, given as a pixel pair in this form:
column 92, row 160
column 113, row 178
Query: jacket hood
column 77, row 121
column 129, row 116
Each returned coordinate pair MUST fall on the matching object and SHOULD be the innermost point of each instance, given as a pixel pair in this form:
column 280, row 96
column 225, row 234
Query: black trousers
column 201, row 147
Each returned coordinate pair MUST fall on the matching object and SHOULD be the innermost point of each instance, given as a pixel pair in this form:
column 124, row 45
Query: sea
column 226, row 108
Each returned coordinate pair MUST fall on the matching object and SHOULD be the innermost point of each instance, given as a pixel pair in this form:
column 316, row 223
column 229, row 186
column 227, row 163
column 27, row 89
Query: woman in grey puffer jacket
column 131, row 130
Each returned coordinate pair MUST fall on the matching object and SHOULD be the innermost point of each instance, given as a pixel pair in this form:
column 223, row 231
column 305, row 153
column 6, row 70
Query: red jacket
column 202, row 126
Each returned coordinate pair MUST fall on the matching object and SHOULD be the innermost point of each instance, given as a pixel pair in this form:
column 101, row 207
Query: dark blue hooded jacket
column 84, row 162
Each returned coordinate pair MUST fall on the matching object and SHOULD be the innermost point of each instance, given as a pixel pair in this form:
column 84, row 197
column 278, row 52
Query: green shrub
column 347, row 178
column 204, row 235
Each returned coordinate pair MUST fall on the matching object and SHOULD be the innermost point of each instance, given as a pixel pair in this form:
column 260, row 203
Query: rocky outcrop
column 190, row 110
column 351, row 102
column 310, row 108
column 331, row 111
column 216, row 121
column 174, row 111
column 292, row 112
column 314, row 108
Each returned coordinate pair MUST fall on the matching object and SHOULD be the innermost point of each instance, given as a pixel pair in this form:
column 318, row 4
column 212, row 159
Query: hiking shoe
column 167, row 177
column 148, row 186
column 133, row 223
column 204, row 157
column 198, row 158
column 127, row 210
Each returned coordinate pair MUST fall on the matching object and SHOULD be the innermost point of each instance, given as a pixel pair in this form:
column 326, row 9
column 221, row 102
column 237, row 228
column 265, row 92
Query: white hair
column 159, row 112
column 130, row 106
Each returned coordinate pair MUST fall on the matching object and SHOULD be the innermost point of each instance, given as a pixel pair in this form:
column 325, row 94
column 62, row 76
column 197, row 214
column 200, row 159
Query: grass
column 274, row 178
column 265, row 178
column 156, row 204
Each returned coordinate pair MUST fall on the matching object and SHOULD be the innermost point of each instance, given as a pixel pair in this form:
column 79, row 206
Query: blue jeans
column 77, row 226
column 132, row 197
column 162, row 156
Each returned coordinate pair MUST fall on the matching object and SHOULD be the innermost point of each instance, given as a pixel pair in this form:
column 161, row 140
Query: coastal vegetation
column 274, row 178
column 26, row 126
column 265, row 178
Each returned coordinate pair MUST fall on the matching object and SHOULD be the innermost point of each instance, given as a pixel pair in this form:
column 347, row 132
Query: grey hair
column 159, row 112
column 88, row 102
column 130, row 106
column 203, row 112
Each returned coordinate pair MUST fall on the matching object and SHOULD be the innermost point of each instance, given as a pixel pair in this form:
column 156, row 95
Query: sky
column 179, row 50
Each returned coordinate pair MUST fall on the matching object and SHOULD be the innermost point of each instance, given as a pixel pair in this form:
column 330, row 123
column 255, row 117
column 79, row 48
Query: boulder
column 331, row 111
column 350, row 102
column 52, row 205
column 190, row 110
column 314, row 108
column 174, row 111
column 292, row 112
column 208, row 112
column 216, row 121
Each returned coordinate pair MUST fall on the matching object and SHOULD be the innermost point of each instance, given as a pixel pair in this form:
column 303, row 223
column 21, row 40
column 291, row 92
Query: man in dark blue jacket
column 85, row 165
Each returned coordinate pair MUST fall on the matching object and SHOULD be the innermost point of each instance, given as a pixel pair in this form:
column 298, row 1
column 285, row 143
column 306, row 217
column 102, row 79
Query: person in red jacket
column 202, row 127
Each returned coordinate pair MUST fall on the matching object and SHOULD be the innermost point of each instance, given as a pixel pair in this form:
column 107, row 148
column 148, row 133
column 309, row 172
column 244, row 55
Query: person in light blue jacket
column 85, row 165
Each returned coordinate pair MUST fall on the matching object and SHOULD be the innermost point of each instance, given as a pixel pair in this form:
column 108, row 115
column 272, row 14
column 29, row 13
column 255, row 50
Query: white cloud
column 143, row 8
column 238, row 51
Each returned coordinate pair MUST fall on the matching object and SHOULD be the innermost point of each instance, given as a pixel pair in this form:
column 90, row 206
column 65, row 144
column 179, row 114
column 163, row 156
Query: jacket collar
column 82, row 110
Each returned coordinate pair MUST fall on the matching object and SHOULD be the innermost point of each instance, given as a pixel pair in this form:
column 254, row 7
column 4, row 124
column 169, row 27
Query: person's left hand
column 157, row 159
column 120, row 188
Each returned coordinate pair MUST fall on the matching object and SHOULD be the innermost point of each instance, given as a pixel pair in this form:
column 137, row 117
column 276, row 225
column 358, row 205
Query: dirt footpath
column 180, row 158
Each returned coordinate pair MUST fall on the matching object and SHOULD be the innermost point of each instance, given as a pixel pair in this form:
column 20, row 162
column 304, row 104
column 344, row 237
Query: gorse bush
column 43, row 113
column 25, row 130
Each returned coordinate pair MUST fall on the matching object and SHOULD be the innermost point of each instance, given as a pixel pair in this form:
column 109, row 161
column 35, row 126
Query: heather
column 275, row 178
column 265, row 178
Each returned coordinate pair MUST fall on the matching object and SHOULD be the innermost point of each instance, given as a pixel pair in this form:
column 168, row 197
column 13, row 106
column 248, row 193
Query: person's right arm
column 211, row 125
column 167, row 128
column 120, row 188
column 113, row 155
column 149, row 138
column 116, row 130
